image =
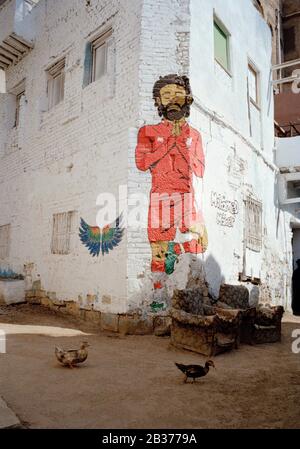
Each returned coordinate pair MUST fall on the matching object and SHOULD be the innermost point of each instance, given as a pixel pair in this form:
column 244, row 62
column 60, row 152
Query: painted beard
column 174, row 112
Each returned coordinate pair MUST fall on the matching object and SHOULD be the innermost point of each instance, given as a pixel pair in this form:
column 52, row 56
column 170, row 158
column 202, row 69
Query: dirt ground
column 132, row 382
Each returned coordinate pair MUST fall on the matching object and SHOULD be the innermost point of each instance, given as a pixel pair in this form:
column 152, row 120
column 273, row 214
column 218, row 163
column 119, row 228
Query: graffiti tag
column 228, row 209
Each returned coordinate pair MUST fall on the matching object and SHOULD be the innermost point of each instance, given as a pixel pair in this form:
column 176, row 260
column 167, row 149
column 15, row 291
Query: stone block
column 40, row 293
column 109, row 322
column 72, row 307
column 92, row 315
column 12, row 291
column 135, row 325
column 162, row 326
column 29, row 294
column 34, row 300
column 45, row 302
column 59, row 303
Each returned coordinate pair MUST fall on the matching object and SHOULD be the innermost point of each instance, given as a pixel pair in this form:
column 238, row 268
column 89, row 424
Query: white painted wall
column 288, row 151
column 61, row 160
column 2, row 81
column 237, row 163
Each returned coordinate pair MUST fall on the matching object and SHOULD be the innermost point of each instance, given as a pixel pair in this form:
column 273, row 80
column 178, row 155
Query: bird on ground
column 195, row 371
column 72, row 357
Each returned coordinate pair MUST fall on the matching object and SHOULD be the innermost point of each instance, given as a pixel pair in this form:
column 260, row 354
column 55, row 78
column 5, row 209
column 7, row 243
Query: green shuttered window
column 221, row 41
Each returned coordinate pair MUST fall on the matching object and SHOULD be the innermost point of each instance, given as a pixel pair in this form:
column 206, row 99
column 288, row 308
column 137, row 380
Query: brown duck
column 195, row 371
column 72, row 357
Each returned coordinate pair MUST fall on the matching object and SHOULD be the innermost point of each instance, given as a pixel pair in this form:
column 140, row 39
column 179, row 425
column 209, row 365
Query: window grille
column 4, row 241
column 61, row 232
column 253, row 224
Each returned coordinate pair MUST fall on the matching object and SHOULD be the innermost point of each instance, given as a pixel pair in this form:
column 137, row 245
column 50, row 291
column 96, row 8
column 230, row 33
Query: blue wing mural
column 101, row 239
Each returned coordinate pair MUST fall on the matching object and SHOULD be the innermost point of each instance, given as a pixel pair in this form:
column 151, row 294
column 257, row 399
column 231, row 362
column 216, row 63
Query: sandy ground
column 131, row 382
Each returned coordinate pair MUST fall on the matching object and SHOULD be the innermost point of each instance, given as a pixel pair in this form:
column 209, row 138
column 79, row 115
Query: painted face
column 172, row 100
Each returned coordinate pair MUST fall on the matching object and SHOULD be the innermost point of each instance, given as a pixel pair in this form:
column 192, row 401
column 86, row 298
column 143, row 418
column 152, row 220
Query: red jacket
column 172, row 160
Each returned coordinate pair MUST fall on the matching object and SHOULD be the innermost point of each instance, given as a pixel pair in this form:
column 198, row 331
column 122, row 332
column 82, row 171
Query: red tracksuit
column 172, row 161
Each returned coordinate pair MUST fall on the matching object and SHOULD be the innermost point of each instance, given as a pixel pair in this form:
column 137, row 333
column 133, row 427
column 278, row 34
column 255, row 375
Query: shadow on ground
column 132, row 382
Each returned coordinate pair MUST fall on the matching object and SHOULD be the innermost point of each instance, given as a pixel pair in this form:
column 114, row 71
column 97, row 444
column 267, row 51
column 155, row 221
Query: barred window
column 4, row 241
column 61, row 232
column 253, row 224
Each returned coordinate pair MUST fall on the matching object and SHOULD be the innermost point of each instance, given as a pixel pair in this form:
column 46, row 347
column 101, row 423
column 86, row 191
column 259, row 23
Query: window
column 253, row 224
column 61, row 232
column 18, row 93
column 293, row 189
column 99, row 59
column 253, row 78
column 4, row 241
column 96, row 58
column 18, row 101
column 56, row 83
column 221, row 44
column 289, row 39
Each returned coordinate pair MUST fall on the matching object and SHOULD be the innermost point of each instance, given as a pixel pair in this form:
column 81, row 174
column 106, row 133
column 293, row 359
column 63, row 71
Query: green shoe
column 156, row 306
column 171, row 258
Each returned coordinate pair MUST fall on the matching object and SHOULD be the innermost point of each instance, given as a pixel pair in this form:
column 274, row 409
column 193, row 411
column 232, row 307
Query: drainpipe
column 279, row 50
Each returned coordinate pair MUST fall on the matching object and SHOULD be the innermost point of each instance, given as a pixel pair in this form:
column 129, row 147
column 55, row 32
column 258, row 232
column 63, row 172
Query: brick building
column 79, row 81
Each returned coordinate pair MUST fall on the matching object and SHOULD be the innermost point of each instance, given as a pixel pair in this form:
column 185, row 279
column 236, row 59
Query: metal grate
column 4, row 241
column 253, row 224
column 61, row 232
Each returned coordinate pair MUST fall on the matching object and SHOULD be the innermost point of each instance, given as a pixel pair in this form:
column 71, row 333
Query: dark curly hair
column 173, row 79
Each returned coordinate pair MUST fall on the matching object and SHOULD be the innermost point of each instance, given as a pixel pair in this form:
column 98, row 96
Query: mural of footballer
column 172, row 151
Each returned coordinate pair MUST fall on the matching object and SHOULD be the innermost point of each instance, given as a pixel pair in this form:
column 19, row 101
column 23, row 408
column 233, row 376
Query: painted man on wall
column 172, row 151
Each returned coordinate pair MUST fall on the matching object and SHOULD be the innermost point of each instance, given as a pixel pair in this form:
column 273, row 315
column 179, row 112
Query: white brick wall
column 61, row 160
column 220, row 113
column 75, row 151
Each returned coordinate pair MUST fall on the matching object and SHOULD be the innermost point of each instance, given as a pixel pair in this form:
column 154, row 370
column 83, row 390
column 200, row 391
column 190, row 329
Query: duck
column 195, row 371
column 72, row 357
